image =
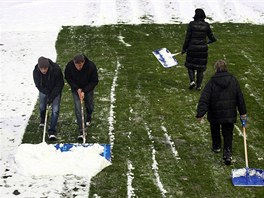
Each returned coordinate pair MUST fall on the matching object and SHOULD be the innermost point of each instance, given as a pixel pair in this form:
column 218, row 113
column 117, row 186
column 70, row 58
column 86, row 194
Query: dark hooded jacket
column 221, row 98
column 85, row 79
column 196, row 42
column 52, row 82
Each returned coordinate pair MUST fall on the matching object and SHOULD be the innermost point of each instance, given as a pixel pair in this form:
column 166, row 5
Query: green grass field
column 151, row 101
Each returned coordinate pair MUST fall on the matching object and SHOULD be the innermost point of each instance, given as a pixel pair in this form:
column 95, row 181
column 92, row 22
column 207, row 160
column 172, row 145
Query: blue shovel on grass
column 65, row 147
column 247, row 176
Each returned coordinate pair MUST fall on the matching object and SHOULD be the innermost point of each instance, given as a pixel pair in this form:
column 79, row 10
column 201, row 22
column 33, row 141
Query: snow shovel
column 247, row 176
column 165, row 57
column 68, row 146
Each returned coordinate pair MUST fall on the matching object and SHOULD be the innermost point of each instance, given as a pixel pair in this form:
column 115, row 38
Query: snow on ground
column 29, row 30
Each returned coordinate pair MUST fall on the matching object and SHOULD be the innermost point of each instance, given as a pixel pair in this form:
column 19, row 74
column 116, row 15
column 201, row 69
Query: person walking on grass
column 220, row 99
column 81, row 74
column 196, row 46
column 48, row 79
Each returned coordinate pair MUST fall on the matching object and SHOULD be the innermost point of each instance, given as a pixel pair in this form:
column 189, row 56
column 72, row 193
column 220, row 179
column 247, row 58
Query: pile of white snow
column 43, row 159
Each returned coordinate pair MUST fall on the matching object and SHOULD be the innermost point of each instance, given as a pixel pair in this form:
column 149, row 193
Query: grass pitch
column 152, row 103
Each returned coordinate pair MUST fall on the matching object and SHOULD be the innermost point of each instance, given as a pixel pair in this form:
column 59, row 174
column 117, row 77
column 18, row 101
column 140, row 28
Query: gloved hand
column 81, row 94
column 243, row 119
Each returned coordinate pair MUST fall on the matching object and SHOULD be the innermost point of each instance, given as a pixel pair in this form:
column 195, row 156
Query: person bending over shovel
column 81, row 74
column 221, row 98
column 48, row 79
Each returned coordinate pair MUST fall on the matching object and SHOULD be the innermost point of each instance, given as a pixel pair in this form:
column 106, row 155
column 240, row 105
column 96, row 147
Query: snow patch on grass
column 239, row 131
column 170, row 142
column 121, row 39
column 130, row 177
column 155, row 165
column 130, row 174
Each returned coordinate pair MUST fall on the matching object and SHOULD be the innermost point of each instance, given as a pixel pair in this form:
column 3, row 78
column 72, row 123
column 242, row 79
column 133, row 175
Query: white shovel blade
column 165, row 57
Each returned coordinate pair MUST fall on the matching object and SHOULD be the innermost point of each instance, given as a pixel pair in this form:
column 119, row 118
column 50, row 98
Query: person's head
column 43, row 64
column 220, row 66
column 199, row 14
column 79, row 61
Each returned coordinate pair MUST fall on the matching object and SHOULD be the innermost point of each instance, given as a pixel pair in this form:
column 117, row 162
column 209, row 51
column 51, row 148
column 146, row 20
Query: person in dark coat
column 220, row 99
column 81, row 74
column 196, row 46
column 49, row 81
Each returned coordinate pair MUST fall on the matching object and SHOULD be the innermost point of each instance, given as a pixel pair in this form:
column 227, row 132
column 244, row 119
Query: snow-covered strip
column 111, row 118
column 130, row 177
column 107, row 13
column 155, row 165
column 121, row 39
column 130, row 174
column 159, row 10
column 170, row 142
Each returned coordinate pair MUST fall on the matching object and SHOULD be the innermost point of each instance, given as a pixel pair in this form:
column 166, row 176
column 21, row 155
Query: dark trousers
column 54, row 114
column 89, row 107
column 227, row 132
column 199, row 76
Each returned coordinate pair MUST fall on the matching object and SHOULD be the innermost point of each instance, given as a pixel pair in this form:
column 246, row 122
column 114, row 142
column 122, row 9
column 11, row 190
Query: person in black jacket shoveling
column 81, row 74
column 221, row 98
column 196, row 46
column 48, row 79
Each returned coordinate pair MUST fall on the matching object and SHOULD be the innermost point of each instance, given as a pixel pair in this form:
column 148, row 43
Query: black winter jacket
column 196, row 44
column 85, row 79
column 220, row 98
column 51, row 83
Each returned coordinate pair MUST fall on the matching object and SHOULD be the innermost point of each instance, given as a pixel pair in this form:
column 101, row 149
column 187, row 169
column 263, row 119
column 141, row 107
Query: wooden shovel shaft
column 176, row 54
column 83, row 127
column 45, row 123
column 245, row 145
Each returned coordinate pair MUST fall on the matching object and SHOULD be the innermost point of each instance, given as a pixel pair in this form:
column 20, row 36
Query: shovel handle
column 83, row 127
column 45, row 123
column 245, row 145
column 176, row 54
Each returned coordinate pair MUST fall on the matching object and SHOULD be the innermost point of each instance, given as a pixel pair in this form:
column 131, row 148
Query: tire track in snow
column 155, row 164
column 111, row 118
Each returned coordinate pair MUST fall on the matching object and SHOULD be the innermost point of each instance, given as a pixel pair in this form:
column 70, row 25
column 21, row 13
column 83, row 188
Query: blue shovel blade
column 66, row 147
column 248, row 177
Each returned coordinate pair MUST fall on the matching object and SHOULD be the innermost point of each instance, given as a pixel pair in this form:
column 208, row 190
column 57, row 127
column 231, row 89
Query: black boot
column 227, row 156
